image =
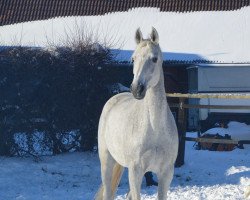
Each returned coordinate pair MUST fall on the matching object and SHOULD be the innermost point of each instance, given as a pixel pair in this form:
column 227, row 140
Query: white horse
column 137, row 130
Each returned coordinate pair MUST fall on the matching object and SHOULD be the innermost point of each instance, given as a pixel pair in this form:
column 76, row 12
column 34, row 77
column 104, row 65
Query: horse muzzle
column 138, row 91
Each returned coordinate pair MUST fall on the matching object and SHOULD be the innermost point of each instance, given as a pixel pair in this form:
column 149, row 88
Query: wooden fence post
column 181, row 125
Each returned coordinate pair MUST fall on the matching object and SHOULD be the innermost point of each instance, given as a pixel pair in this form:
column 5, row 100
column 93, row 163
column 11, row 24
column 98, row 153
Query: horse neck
column 156, row 103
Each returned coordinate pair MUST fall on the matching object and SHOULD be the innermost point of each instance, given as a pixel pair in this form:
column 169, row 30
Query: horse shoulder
column 116, row 101
column 108, row 108
column 115, row 105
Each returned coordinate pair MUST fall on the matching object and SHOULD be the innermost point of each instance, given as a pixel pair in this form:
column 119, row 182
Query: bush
column 54, row 92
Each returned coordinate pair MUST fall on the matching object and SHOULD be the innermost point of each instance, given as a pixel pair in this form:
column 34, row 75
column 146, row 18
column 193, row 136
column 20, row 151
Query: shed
column 218, row 78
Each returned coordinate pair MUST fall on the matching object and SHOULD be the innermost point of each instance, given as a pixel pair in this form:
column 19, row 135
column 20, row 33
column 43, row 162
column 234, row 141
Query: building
column 201, row 35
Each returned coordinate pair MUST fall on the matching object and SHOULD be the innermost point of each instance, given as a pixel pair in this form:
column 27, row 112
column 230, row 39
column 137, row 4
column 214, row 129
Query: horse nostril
column 140, row 88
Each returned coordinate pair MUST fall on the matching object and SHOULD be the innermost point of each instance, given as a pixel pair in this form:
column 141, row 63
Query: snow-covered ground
column 76, row 176
column 221, row 36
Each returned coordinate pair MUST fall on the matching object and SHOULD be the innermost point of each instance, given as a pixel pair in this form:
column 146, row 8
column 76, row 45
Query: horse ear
column 154, row 36
column 138, row 36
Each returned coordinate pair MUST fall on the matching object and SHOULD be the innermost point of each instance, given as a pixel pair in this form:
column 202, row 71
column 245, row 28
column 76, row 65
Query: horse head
column 147, row 63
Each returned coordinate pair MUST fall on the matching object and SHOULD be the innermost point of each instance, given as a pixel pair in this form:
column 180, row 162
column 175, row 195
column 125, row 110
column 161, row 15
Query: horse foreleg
column 165, row 177
column 135, row 178
column 107, row 165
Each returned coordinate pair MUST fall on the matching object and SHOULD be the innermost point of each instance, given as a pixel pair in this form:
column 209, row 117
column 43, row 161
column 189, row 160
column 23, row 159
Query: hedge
column 55, row 91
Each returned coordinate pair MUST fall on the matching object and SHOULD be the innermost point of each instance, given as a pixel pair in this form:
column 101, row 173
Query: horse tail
column 99, row 194
column 116, row 177
column 247, row 192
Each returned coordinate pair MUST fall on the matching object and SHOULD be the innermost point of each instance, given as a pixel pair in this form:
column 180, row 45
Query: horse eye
column 154, row 59
column 132, row 60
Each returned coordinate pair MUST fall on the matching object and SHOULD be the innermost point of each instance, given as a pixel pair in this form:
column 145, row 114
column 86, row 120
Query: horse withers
column 137, row 130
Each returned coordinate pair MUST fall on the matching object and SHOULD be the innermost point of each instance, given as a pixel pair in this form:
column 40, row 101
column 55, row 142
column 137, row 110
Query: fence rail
column 238, row 107
column 182, row 120
column 211, row 95
column 221, row 141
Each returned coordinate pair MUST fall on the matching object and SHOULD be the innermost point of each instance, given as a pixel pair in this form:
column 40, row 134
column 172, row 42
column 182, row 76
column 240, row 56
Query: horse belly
column 160, row 153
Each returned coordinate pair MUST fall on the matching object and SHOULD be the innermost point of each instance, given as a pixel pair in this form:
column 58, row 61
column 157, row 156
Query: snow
column 237, row 131
column 206, row 175
column 220, row 36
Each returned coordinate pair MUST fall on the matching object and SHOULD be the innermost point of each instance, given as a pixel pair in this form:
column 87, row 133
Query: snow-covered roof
column 16, row 11
column 218, row 36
